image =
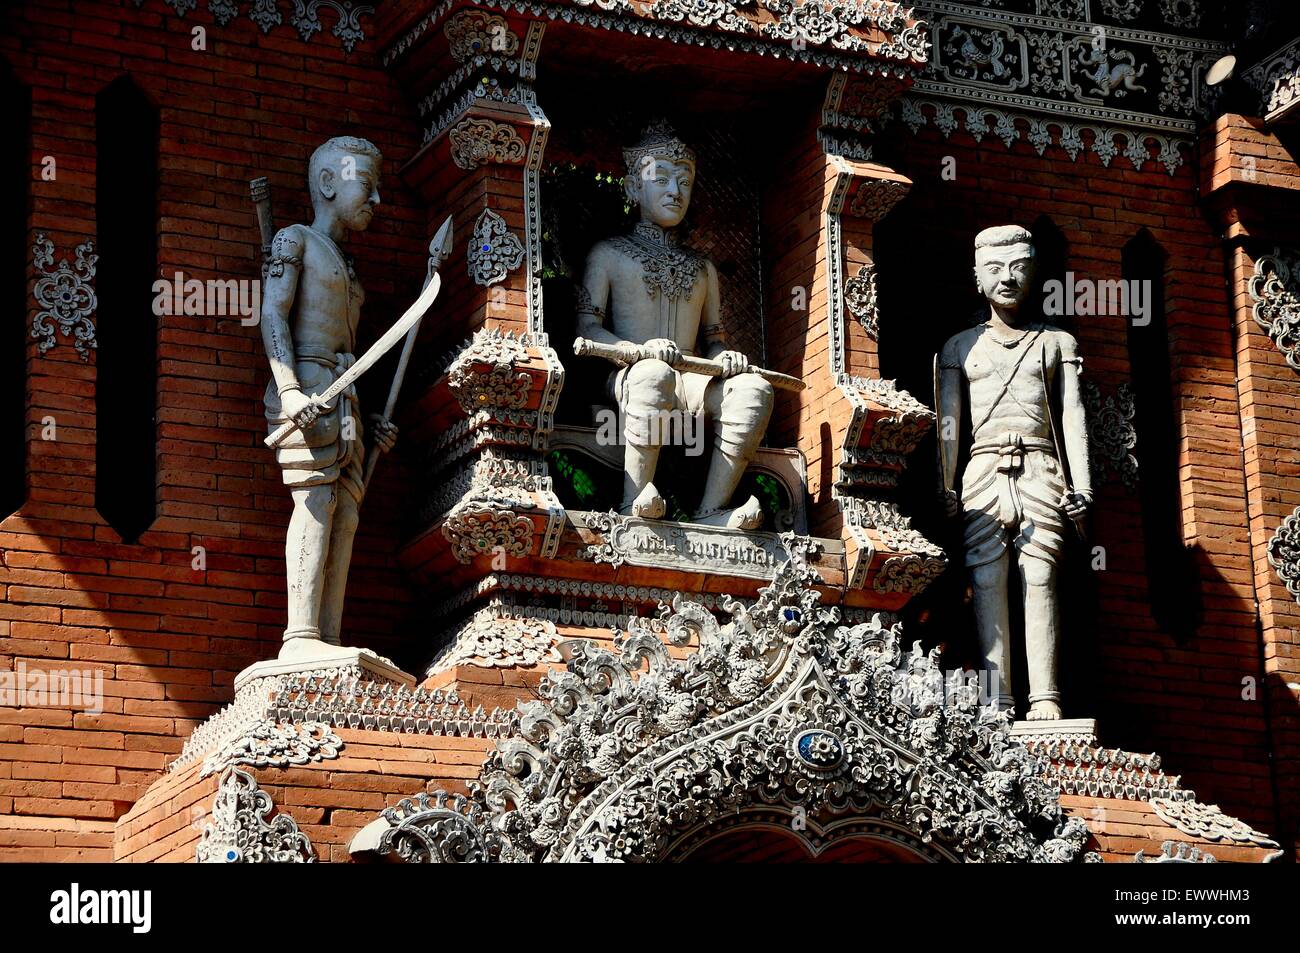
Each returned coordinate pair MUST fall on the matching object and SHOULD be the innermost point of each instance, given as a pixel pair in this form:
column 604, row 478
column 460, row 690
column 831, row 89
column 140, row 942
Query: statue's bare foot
column 1044, row 711
column 649, row 504
column 307, row 648
column 749, row 515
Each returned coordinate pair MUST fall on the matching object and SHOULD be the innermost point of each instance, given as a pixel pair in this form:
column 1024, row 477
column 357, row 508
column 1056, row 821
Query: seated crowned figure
column 656, row 301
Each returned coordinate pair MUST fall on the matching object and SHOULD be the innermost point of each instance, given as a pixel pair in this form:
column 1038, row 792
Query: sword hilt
column 280, row 434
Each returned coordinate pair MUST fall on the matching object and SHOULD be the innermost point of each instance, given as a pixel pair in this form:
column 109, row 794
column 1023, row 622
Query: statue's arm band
column 286, row 249
column 275, row 265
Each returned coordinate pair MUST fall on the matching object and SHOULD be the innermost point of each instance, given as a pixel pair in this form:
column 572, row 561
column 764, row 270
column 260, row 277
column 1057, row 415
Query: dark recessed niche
column 126, row 391
column 15, row 256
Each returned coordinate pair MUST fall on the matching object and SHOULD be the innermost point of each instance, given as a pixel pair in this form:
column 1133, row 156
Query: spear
column 439, row 249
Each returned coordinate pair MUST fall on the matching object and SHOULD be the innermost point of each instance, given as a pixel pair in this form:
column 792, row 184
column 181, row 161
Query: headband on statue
column 659, row 141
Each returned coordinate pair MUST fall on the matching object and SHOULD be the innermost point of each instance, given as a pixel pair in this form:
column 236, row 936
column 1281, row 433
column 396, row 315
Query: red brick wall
column 798, row 342
column 1252, row 182
column 168, row 639
column 330, row 800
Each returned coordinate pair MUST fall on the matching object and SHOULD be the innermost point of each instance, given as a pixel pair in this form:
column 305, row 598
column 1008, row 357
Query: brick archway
column 776, row 838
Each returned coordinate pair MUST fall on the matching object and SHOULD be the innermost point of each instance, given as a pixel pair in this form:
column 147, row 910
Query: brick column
column 1251, row 184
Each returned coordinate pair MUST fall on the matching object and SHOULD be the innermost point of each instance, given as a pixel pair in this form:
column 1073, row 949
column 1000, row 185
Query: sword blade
column 940, row 428
column 377, row 350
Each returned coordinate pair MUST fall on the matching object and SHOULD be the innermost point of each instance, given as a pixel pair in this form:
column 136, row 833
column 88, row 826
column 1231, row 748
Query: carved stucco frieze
column 474, row 529
column 1111, row 432
column 1176, row 852
column 1021, row 65
column 918, row 564
column 500, row 349
column 500, row 386
column 305, row 17
column 908, row 573
column 475, row 142
column 1182, row 13
column 904, row 539
column 705, row 13
column 491, row 639
column 1277, row 80
column 494, row 251
column 269, row 744
column 438, row 828
column 476, row 33
column 822, row 32
column 1284, row 553
column 492, row 479
column 1074, row 138
column 1123, row 10
column 1274, row 288
column 346, row 697
column 860, row 299
column 632, row 749
column 905, row 422
column 342, row 700
column 65, row 297
column 497, row 387
column 875, row 198
column 487, row 463
column 243, row 831
column 886, row 426
column 592, row 604
column 1207, row 821
column 855, row 107
column 1079, row 765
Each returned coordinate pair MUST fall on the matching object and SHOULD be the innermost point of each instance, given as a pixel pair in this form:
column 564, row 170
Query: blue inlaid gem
column 821, row 749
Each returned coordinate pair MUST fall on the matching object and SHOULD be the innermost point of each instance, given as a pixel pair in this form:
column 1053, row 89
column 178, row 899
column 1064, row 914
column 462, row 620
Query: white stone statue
column 311, row 304
column 661, row 299
column 1027, row 475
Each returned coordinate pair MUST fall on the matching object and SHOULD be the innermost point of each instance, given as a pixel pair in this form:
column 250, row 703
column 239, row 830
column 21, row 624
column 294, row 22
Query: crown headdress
column 659, row 141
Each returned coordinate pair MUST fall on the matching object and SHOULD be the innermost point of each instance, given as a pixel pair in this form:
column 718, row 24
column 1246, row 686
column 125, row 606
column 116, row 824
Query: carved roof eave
column 1276, row 78
column 875, row 37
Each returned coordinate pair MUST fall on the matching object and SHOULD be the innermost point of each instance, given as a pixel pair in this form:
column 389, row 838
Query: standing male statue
column 658, row 296
column 311, row 304
column 1027, row 476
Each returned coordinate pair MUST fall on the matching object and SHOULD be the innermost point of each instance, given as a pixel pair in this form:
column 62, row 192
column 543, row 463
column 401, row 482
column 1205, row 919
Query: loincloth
column 1011, row 494
column 330, row 450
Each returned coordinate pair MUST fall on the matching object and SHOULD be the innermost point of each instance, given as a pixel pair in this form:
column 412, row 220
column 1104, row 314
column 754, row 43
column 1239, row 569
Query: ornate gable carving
column 632, row 749
column 244, row 832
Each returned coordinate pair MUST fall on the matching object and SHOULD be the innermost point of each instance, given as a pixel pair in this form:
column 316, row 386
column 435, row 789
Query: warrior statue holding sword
column 311, row 306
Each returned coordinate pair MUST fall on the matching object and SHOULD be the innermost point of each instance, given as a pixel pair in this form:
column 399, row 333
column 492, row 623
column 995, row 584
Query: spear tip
column 441, row 244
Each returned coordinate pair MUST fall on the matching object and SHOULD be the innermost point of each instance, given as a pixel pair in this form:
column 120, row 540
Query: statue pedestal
column 1077, row 730
column 371, row 666
column 306, row 755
